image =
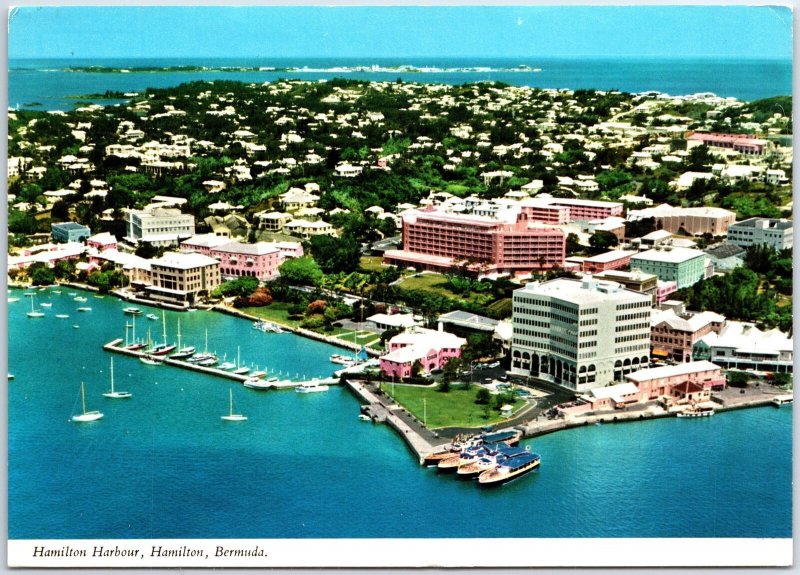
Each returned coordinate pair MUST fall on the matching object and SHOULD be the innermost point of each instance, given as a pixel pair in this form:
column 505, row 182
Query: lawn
column 371, row 264
column 456, row 408
column 276, row 312
column 439, row 285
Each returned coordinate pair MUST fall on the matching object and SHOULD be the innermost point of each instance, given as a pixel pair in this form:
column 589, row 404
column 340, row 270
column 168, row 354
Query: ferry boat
column 780, row 400
column 311, row 387
column 133, row 311
column 697, row 411
column 508, row 436
column 489, row 459
column 467, row 455
column 510, row 468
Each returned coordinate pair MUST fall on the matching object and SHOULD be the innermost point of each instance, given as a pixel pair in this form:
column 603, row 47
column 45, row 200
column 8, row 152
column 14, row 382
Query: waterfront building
column 747, row 144
column 203, row 243
column 48, row 254
column 726, row 257
column 616, row 396
column 610, row 260
column 693, row 221
column 656, row 382
column 740, row 345
column 65, row 232
column 159, row 226
column 180, row 277
column 673, row 333
column 579, row 334
column 259, row 260
column 762, row 231
column 431, row 348
column 102, row 242
column 135, row 268
column 682, row 265
column 635, row 280
column 513, row 245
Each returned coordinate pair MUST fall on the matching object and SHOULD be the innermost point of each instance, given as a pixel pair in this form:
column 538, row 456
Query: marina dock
column 115, row 347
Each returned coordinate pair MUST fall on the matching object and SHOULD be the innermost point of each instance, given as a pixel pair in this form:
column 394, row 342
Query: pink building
column 259, row 260
column 203, row 243
column 439, row 240
column 431, row 348
column 664, row 290
column 656, row 382
column 102, row 242
column 744, row 143
column 588, row 210
column 673, row 335
column 613, row 260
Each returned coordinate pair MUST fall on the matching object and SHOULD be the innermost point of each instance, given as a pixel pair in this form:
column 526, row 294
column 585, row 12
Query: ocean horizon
column 47, row 84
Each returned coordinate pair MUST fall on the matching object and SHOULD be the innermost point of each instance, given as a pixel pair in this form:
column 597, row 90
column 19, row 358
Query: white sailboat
column 182, row 352
column 116, row 394
column 231, row 415
column 33, row 312
column 239, row 369
column 86, row 415
column 147, row 358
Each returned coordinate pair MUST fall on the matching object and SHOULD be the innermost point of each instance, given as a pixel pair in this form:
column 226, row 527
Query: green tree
column 301, row 271
column 602, row 241
column 40, row 274
column 483, row 397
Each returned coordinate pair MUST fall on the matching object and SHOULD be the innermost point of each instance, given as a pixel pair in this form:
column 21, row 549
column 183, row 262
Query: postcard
column 399, row 286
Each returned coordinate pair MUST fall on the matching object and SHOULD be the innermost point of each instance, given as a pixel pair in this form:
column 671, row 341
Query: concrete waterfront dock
column 419, row 439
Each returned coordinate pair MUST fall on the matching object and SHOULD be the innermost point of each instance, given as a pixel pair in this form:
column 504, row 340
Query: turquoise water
column 164, row 465
column 45, row 82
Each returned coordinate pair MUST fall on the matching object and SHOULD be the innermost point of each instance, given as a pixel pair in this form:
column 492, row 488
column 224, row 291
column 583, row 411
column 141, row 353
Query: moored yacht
column 510, row 468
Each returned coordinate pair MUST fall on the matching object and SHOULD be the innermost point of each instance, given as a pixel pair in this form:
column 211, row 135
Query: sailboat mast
column 206, row 340
column 112, row 375
column 164, row 326
column 230, row 391
column 134, row 329
column 238, row 357
column 179, row 334
column 83, row 399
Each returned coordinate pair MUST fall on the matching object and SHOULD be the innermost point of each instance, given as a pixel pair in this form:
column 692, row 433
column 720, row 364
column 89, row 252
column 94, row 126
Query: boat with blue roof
column 510, row 468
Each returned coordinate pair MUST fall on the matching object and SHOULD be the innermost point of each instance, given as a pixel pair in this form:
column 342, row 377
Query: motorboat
column 132, row 310
column 259, row 384
column 311, row 387
column 152, row 316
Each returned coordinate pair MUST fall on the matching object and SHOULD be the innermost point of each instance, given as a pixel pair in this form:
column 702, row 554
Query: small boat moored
column 697, row 411
column 311, row 387
column 132, row 310
column 780, row 400
column 86, row 416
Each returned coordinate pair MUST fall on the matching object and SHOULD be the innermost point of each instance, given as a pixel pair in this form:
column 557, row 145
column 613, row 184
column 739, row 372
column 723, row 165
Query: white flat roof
column 671, row 255
column 671, row 370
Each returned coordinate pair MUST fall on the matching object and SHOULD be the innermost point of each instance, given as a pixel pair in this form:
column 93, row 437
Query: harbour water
column 163, row 465
column 47, row 85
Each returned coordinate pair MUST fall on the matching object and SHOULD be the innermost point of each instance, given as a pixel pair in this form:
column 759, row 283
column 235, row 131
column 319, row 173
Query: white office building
column 762, row 231
column 159, row 226
column 579, row 334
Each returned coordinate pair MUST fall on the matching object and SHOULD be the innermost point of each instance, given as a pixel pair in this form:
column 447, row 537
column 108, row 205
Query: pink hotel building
column 260, row 260
column 437, row 240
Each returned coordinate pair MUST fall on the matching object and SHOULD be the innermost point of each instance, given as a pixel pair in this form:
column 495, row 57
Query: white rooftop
column 668, row 255
column 671, row 370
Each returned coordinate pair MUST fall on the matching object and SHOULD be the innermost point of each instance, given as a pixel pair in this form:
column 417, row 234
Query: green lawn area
column 362, row 337
column 432, row 282
column 456, row 408
column 276, row 311
column 438, row 284
column 371, row 263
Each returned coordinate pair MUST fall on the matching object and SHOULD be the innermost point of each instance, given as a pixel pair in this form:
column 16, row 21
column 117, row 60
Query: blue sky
column 401, row 31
